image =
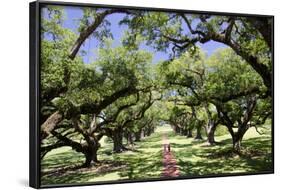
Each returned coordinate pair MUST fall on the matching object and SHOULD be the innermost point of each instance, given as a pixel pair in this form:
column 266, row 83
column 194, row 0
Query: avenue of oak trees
column 122, row 95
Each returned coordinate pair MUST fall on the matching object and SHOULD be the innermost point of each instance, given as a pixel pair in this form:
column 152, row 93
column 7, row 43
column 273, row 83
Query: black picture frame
column 34, row 91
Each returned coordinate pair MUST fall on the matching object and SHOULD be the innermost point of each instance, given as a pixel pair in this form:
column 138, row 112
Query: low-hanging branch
column 68, row 142
column 114, row 116
column 87, row 108
column 45, row 149
column 93, row 27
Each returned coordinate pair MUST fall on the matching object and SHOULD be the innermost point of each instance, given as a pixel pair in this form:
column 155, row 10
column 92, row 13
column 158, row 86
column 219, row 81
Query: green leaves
column 228, row 74
column 151, row 26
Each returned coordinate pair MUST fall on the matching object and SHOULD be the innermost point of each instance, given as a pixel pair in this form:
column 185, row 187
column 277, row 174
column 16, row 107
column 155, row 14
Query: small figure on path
column 169, row 148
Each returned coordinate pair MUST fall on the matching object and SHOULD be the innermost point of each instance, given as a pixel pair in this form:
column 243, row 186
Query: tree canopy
column 121, row 93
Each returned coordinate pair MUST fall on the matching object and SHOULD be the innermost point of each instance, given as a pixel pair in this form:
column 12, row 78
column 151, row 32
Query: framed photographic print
column 130, row 94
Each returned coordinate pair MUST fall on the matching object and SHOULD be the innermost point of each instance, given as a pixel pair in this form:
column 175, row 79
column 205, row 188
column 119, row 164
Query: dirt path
column 169, row 162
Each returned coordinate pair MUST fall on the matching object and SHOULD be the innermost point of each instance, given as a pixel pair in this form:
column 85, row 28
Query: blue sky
column 90, row 45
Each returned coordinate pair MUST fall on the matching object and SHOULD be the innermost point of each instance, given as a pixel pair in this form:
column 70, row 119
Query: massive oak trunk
column 90, row 156
column 90, row 149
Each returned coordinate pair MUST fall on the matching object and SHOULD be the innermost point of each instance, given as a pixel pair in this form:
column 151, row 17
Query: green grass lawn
column 193, row 158
column 197, row 158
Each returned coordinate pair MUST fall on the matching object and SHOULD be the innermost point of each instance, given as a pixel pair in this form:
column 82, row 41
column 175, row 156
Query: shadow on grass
column 143, row 166
column 144, row 161
column 219, row 159
column 82, row 175
column 61, row 160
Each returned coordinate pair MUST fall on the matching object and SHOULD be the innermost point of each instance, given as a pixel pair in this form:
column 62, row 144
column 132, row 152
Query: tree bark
column 210, row 131
column 152, row 130
column 189, row 133
column 117, row 138
column 238, row 136
column 177, row 129
column 237, row 142
column 184, row 132
column 198, row 133
column 181, row 131
column 138, row 136
column 50, row 124
column 129, row 137
column 211, row 136
column 90, row 156
column 142, row 133
column 264, row 26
